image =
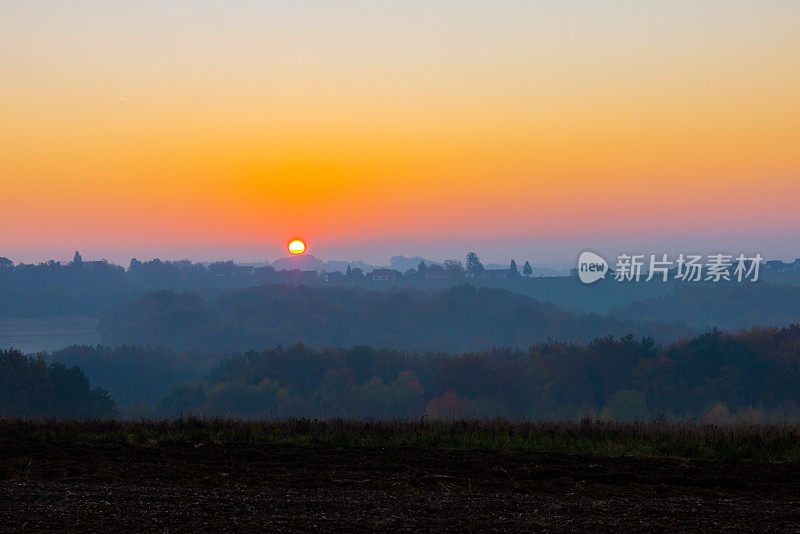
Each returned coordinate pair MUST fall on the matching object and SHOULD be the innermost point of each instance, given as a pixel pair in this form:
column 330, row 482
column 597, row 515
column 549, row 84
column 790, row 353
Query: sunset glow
column 195, row 128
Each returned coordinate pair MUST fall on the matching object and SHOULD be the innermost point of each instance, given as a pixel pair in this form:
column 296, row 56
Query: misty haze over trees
column 716, row 377
column 461, row 318
column 89, row 288
column 456, row 339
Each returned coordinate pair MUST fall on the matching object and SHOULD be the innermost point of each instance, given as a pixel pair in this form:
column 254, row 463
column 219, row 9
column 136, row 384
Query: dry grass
column 654, row 439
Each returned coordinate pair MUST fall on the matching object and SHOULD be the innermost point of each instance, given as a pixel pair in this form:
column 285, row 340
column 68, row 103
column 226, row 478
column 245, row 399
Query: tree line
column 84, row 287
column 716, row 377
column 185, row 273
column 30, row 387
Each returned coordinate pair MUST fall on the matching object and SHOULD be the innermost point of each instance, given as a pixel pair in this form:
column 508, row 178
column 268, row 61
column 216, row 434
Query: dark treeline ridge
column 53, row 288
column 462, row 318
column 729, row 306
column 153, row 274
column 89, row 287
column 717, row 377
column 29, row 387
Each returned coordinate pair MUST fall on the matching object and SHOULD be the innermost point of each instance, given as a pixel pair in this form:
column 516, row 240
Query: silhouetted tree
column 527, row 270
column 513, row 269
column 474, row 265
column 5, row 263
column 29, row 387
column 422, row 269
column 77, row 260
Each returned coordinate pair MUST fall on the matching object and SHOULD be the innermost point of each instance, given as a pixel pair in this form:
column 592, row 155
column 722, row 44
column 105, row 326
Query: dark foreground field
column 71, row 480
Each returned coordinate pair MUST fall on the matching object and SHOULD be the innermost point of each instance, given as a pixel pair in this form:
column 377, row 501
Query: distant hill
column 731, row 306
column 304, row 262
column 309, row 262
column 461, row 318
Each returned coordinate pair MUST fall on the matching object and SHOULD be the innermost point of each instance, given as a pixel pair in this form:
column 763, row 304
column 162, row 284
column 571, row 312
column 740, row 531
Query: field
column 49, row 333
column 336, row 475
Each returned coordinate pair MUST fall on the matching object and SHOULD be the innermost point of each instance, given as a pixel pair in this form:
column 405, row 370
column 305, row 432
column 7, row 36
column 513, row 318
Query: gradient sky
column 211, row 130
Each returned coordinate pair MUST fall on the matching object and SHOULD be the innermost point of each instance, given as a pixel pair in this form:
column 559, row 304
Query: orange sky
column 395, row 128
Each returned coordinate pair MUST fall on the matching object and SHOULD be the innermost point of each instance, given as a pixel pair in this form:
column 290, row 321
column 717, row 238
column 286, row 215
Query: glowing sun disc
column 296, row 246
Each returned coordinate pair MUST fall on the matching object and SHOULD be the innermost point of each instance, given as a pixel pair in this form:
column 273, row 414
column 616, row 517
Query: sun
column 296, row 246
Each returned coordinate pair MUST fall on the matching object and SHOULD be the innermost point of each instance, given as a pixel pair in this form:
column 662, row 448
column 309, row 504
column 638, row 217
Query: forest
column 716, row 377
column 462, row 318
column 729, row 306
column 32, row 387
column 181, row 338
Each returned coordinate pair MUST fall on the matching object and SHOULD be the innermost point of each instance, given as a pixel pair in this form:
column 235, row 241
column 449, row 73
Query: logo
column 591, row 267
column 693, row 268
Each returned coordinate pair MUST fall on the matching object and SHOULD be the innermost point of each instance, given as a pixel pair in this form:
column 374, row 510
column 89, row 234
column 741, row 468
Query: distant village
column 449, row 270
column 309, row 271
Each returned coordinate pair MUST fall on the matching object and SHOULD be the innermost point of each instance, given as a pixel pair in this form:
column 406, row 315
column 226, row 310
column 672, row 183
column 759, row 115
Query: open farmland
column 193, row 475
column 49, row 333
